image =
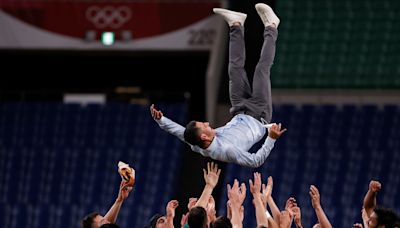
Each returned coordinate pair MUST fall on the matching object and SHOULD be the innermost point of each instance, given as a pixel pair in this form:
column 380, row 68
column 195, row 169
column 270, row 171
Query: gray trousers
column 254, row 101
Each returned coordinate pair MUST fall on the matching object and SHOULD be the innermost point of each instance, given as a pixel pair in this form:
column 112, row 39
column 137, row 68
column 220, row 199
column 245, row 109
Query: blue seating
column 59, row 162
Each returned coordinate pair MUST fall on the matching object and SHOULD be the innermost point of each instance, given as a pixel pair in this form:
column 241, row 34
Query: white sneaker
column 267, row 15
column 231, row 16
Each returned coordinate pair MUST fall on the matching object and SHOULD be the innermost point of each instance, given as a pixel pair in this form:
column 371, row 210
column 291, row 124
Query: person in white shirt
column 251, row 107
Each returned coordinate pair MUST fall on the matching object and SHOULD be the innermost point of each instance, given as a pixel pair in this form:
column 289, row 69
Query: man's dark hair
column 192, row 134
column 197, row 217
column 221, row 222
column 386, row 217
column 111, row 225
column 88, row 220
column 153, row 220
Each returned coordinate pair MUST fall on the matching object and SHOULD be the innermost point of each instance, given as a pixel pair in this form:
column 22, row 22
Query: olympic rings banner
column 79, row 25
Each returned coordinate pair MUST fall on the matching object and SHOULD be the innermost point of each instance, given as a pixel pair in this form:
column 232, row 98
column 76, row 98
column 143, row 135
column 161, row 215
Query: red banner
column 76, row 19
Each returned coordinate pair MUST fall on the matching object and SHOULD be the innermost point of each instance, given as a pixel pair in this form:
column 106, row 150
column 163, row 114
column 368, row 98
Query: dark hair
column 153, row 221
column 221, row 222
column 386, row 217
column 88, row 220
column 197, row 217
column 110, row 225
column 192, row 134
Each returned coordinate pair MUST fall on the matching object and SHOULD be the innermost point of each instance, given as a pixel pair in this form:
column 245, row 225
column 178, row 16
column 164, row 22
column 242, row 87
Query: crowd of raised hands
column 202, row 214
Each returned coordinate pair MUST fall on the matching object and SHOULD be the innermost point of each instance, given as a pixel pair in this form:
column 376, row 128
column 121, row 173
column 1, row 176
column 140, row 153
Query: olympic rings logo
column 108, row 16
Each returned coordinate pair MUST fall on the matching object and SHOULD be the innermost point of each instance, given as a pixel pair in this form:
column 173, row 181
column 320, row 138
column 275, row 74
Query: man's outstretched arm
column 211, row 177
column 167, row 124
column 170, row 212
column 370, row 196
column 123, row 193
column 316, row 203
column 257, row 159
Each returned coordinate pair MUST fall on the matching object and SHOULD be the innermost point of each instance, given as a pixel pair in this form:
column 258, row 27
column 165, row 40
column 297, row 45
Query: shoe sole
column 220, row 10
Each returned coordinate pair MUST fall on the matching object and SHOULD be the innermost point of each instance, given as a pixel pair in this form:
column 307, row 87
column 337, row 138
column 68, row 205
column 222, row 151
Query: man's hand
column 275, row 131
column 375, row 186
column 256, row 187
column 315, row 197
column 171, row 206
column 192, row 202
column 156, row 114
column 267, row 191
column 297, row 216
column 357, row 225
column 290, row 203
column 123, row 191
column 212, row 174
column 236, row 195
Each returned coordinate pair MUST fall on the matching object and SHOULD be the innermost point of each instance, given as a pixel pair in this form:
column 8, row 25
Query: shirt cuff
column 270, row 140
column 161, row 120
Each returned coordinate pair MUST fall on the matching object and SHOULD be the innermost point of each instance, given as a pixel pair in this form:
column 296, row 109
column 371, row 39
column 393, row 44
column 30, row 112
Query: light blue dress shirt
column 231, row 142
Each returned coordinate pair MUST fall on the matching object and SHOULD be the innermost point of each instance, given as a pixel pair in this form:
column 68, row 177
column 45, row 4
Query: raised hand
column 276, row 131
column 124, row 190
column 256, row 187
column 192, row 202
column 267, row 191
column 236, row 195
column 375, row 186
column 316, row 203
column 156, row 114
column 297, row 216
column 290, row 203
column 315, row 197
column 211, row 176
column 171, row 206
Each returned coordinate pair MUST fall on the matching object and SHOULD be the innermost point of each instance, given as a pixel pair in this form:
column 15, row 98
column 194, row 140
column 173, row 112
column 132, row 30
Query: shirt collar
column 214, row 144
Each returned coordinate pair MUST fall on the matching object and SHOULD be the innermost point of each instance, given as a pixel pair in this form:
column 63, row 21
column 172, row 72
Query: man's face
column 99, row 221
column 206, row 129
column 161, row 222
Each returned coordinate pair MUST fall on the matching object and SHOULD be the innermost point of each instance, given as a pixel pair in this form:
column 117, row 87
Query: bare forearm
column 285, row 222
column 322, row 218
column 274, row 209
column 370, row 202
column 170, row 222
column 261, row 217
column 112, row 214
column 235, row 220
column 205, row 196
column 272, row 223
